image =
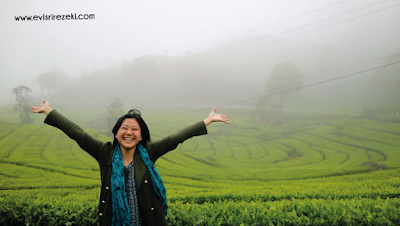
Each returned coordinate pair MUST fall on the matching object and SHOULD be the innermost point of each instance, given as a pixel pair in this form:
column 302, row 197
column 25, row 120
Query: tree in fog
column 261, row 105
column 22, row 96
column 114, row 111
column 284, row 77
column 62, row 76
column 47, row 81
column 389, row 76
column 83, row 73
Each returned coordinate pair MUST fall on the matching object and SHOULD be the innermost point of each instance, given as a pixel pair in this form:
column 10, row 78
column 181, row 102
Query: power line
column 314, row 84
column 286, row 37
column 269, row 25
column 308, row 32
column 256, row 83
column 289, row 36
column 281, row 38
column 235, row 36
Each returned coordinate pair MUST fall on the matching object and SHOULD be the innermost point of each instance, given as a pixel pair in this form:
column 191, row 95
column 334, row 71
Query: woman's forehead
column 130, row 122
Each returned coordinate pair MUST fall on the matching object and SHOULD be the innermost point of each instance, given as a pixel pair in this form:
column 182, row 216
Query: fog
column 217, row 53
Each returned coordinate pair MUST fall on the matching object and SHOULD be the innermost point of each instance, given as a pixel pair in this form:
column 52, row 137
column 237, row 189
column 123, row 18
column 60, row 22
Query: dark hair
column 143, row 127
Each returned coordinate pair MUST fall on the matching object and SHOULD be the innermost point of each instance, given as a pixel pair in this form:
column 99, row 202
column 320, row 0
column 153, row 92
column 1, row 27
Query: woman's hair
column 143, row 127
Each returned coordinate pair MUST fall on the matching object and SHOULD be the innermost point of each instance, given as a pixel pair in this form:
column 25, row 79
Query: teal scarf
column 120, row 209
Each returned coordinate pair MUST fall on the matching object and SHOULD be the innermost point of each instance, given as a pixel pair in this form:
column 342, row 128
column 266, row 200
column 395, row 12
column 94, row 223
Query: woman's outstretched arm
column 170, row 142
column 84, row 140
column 44, row 108
column 212, row 117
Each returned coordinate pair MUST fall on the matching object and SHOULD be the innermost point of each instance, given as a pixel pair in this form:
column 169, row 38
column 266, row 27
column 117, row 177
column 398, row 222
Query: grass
column 245, row 161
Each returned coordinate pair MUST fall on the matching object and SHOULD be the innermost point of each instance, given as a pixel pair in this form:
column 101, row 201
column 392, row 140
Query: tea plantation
column 326, row 171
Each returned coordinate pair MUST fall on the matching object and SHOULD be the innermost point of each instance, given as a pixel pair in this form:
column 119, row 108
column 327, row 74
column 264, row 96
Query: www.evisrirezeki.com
column 44, row 17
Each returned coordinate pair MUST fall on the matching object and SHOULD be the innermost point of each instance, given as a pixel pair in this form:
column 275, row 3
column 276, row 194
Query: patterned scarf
column 120, row 209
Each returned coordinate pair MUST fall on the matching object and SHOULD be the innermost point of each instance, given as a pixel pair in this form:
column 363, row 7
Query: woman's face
column 129, row 134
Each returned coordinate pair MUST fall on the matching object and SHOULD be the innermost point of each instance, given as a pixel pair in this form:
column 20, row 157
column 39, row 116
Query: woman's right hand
column 44, row 108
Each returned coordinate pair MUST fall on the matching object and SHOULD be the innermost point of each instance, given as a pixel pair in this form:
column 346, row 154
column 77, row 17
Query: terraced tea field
column 248, row 172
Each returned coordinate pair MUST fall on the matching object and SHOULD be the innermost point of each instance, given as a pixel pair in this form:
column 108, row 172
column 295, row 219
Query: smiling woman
column 128, row 134
column 132, row 192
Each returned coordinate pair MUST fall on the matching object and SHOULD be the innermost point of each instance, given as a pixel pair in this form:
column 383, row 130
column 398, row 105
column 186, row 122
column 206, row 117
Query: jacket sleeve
column 84, row 140
column 160, row 147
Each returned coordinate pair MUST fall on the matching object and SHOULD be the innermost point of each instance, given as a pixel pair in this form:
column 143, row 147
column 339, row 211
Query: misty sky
column 129, row 29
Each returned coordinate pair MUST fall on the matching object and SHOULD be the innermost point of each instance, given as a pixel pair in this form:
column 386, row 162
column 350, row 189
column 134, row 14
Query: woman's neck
column 127, row 155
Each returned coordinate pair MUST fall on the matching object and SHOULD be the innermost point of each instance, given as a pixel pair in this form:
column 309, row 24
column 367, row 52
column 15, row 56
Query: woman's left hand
column 212, row 117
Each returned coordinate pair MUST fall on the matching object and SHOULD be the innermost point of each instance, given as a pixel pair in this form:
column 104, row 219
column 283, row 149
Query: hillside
column 229, row 72
column 276, row 169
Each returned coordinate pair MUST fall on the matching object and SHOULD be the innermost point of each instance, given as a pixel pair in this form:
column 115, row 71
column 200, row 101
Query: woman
column 132, row 192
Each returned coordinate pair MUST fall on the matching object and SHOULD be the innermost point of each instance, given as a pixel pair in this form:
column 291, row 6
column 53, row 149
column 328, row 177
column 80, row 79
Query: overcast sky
column 128, row 29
